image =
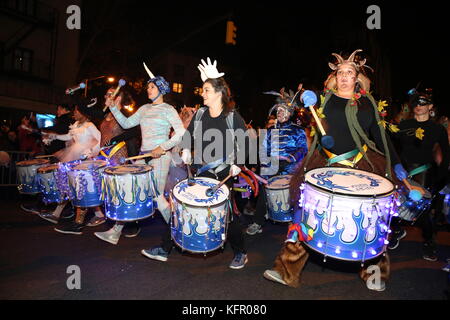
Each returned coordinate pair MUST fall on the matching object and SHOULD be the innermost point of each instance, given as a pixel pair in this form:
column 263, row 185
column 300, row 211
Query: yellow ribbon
column 114, row 150
column 347, row 163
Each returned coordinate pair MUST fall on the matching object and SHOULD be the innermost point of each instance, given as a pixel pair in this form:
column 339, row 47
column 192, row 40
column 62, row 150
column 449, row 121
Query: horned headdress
column 364, row 82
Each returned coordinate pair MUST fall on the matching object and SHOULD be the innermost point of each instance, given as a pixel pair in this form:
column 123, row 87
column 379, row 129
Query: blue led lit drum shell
column 27, row 176
column 358, row 231
column 410, row 210
column 129, row 192
column 48, row 184
column 278, row 205
column 83, row 184
column 199, row 225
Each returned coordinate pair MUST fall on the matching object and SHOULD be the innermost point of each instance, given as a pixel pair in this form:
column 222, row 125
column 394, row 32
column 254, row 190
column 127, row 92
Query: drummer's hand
column 234, row 170
column 158, row 152
column 400, row 172
column 186, row 156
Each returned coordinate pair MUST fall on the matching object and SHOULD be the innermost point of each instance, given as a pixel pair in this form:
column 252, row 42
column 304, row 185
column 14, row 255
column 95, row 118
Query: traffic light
column 231, row 33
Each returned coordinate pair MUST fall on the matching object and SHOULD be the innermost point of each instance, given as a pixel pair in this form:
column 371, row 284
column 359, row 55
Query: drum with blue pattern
column 129, row 192
column 85, row 183
column 350, row 212
column 27, row 175
column 199, row 222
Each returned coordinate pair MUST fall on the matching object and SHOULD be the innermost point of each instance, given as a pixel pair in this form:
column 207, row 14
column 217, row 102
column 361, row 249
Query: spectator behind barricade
column 4, row 159
column 61, row 126
column 27, row 139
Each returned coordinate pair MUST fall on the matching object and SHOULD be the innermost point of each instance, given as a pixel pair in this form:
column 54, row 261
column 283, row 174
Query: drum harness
column 343, row 158
column 220, row 164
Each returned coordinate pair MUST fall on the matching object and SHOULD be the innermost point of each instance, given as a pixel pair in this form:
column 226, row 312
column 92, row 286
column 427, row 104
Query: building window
column 178, row 71
column 177, row 87
column 26, row 6
column 22, row 59
column 198, row 91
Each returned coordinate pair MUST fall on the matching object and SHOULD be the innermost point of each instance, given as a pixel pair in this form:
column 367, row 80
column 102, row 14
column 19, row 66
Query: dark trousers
column 235, row 234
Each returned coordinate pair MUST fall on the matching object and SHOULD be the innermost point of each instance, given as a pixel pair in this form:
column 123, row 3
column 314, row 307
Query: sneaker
column 429, row 252
column 292, row 237
column 112, row 235
column 131, row 230
column 156, row 253
column 70, row 228
column 381, row 288
column 446, row 268
column 31, row 208
column 49, row 217
column 96, row 221
column 68, row 212
column 239, row 261
column 395, row 239
column 253, row 229
column 272, row 275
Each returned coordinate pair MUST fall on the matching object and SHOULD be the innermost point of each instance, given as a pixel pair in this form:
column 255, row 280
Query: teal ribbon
column 344, row 156
column 418, row 170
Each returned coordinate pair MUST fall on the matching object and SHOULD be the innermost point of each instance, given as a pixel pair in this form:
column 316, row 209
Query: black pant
column 235, row 228
column 261, row 207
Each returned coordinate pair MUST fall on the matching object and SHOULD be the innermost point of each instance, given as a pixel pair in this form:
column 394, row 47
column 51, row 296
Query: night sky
column 279, row 44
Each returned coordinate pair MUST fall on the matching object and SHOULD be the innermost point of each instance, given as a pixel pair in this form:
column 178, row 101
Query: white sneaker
column 112, row 235
column 253, row 229
column 272, row 275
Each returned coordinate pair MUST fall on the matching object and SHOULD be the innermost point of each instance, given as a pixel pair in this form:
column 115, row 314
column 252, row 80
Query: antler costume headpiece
column 330, row 83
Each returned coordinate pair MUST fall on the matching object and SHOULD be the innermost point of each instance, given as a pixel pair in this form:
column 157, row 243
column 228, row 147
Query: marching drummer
column 351, row 115
column 220, row 119
column 156, row 120
column 285, row 144
column 416, row 152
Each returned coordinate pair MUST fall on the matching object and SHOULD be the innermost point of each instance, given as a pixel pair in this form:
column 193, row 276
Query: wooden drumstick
column 121, row 84
column 318, row 122
column 142, row 156
column 411, row 187
column 211, row 191
column 43, row 157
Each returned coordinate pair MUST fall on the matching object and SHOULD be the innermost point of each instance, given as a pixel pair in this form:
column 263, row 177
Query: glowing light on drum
column 349, row 210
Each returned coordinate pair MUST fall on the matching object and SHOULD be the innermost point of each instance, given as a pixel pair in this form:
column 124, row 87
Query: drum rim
column 350, row 195
column 41, row 169
column 375, row 195
column 96, row 168
column 125, row 173
column 45, row 161
column 280, row 175
column 200, row 206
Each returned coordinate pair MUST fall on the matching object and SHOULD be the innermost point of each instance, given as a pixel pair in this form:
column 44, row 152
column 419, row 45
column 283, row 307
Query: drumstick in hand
column 416, row 193
column 309, row 99
column 211, row 191
column 142, row 156
column 121, row 84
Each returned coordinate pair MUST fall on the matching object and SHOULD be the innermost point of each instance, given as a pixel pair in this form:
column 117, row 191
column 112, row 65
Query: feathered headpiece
column 285, row 99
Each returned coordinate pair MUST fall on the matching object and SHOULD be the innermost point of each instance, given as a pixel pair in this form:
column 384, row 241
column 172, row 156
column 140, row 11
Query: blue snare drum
column 350, row 212
column 278, row 206
column 410, row 210
column 85, row 183
column 27, row 175
column 129, row 192
column 199, row 222
column 48, row 184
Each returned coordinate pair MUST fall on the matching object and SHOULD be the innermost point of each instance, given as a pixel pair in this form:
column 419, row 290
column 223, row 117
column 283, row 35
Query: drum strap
column 343, row 158
column 418, row 170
